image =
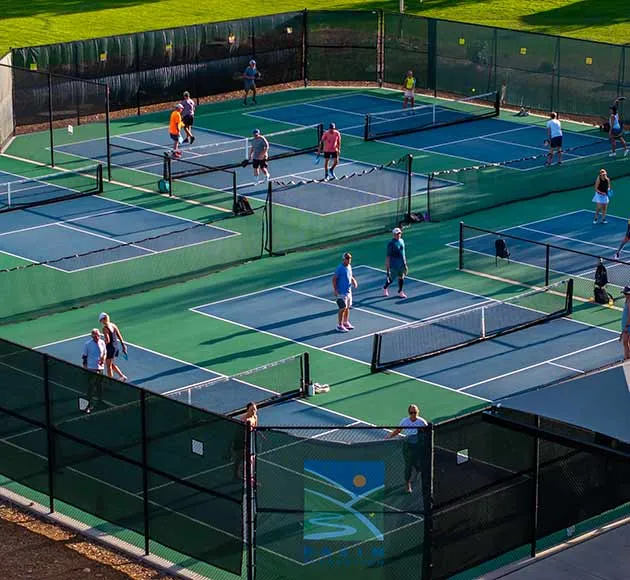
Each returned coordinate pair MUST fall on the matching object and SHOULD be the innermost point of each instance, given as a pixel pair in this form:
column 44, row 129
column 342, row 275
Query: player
column 174, row 126
column 554, row 137
column 250, row 76
column 603, row 191
column 331, row 145
column 624, row 337
column 188, row 114
column 395, row 263
column 626, row 239
column 409, row 87
column 258, row 154
column 343, row 282
column 616, row 132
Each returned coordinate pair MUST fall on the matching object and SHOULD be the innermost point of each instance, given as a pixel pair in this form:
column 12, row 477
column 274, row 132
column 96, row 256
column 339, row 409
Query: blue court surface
column 489, row 370
column 187, row 382
column 212, row 149
column 93, row 223
column 484, row 141
column 574, row 231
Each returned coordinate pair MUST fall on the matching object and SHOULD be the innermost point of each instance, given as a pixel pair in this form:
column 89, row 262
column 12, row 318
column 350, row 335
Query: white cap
column 179, row 106
column 102, row 315
column 252, row 61
column 396, row 231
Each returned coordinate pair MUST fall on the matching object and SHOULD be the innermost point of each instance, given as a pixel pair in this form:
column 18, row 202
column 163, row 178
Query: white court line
column 538, row 364
column 568, row 238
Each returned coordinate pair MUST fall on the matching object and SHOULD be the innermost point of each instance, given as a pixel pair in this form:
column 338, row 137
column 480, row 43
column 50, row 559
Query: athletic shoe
column 192, row 139
column 332, row 175
column 604, row 221
column 401, row 294
column 341, row 328
column 595, row 220
column 177, row 153
column 617, row 256
column 385, row 292
column 186, row 140
column 267, row 178
column 626, row 152
column 612, row 155
column 348, row 326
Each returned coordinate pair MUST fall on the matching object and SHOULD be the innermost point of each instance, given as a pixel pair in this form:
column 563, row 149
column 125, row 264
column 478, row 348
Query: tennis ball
column 474, row 90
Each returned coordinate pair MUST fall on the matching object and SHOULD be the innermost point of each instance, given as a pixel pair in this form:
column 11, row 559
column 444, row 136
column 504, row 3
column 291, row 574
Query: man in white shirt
column 94, row 353
column 554, row 138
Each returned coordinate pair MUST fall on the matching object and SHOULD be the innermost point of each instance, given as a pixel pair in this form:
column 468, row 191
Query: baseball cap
column 626, row 290
column 256, row 131
column 252, row 61
column 347, row 256
column 332, row 126
column 102, row 315
column 179, row 106
column 396, row 231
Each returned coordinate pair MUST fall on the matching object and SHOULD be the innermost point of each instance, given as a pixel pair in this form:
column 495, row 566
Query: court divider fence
column 488, row 488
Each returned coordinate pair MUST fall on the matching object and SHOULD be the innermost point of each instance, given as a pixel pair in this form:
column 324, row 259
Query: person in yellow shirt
column 409, row 87
column 175, row 124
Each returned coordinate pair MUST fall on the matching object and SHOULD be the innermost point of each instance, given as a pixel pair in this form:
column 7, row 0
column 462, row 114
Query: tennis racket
column 546, row 143
column 317, row 159
column 245, row 163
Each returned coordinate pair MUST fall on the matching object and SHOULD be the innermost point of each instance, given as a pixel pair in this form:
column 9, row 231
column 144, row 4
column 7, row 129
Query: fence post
column 50, row 437
column 547, row 253
column 409, row 172
column 250, row 483
column 269, row 212
column 536, row 474
column 432, row 55
column 50, row 121
column 461, row 245
column 107, row 135
column 380, row 46
column 427, row 493
column 145, row 471
column 305, row 48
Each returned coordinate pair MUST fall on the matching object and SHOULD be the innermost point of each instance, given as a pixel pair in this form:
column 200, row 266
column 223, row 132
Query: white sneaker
column 401, row 294
column 385, row 292
column 341, row 328
column 594, row 220
column 348, row 326
column 604, row 221
column 626, row 152
column 612, row 154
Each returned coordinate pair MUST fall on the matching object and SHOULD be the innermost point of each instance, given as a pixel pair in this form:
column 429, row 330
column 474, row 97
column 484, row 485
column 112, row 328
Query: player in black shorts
column 625, row 240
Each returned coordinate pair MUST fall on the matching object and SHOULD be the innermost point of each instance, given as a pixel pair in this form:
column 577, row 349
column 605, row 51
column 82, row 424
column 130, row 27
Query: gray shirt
column 189, row 107
column 258, row 145
column 94, row 352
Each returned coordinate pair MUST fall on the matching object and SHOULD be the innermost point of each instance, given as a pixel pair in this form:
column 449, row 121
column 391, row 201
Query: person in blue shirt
column 396, row 263
column 250, row 76
column 343, row 282
column 624, row 337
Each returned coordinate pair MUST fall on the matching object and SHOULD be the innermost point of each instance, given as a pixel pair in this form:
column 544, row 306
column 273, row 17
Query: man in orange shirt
column 331, row 144
column 175, row 124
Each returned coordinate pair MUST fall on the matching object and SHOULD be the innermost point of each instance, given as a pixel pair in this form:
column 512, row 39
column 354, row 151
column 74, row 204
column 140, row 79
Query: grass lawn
column 49, row 21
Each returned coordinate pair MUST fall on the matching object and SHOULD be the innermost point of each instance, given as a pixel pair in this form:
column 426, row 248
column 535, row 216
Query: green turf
column 46, row 21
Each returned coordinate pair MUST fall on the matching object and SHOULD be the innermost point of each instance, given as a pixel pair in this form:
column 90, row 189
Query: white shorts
column 409, row 94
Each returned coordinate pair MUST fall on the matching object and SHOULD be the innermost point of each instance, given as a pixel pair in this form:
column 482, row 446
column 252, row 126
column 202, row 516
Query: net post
column 461, row 245
column 99, row 178
column 547, row 262
column 108, row 142
column 409, row 172
column 569, row 298
column 50, row 121
column 50, row 436
column 497, row 101
column 376, row 346
column 320, row 132
column 430, row 178
column 427, row 492
column 9, row 194
column 167, row 173
column 366, row 128
column 535, row 490
column 483, row 322
column 234, row 193
column 306, row 372
column 269, row 207
column 145, row 471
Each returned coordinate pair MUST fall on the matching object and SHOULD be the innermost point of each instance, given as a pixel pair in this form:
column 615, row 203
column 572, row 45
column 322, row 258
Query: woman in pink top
column 331, row 144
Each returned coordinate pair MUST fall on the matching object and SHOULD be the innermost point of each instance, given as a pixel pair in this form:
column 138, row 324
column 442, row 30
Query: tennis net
column 33, row 191
column 488, row 320
column 265, row 385
column 232, row 153
column 423, row 117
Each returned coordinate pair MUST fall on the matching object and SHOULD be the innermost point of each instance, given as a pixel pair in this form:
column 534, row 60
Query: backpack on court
column 501, row 250
column 600, row 294
column 243, row 206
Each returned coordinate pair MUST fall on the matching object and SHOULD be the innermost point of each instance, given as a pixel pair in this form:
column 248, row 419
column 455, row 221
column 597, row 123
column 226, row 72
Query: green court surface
column 161, row 319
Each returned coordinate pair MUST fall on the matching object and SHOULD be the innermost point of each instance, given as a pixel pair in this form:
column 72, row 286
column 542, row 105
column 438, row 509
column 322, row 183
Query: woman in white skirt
column 603, row 189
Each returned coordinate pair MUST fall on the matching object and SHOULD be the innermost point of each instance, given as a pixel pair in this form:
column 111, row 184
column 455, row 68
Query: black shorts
column 330, row 155
column 555, row 142
column 259, row 163
column 187, row 120
column 175, row 138
column 111, row 351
